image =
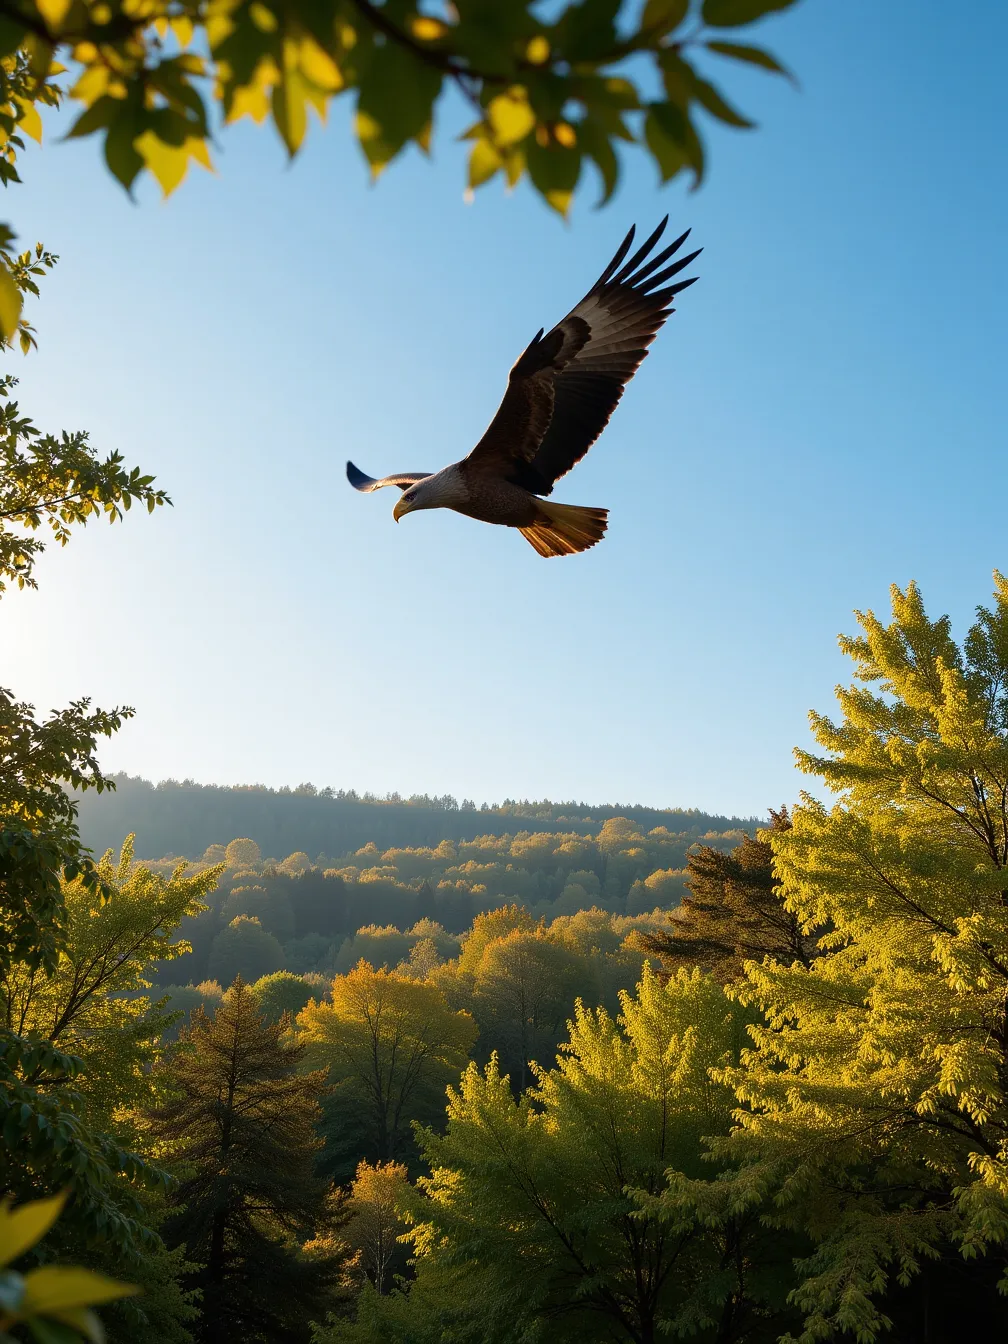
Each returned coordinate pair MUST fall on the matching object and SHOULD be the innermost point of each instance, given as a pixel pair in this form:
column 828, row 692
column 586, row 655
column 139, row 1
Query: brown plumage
column 561, row 392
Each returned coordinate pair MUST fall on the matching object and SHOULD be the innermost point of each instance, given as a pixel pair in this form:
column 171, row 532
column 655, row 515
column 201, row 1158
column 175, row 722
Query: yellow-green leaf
column 29, row 120
column 484, row 161
column 21, row 1228
column 510, row 116
column 59, row 1287
column 53, row 11
column 169, row 163
column 289, row 110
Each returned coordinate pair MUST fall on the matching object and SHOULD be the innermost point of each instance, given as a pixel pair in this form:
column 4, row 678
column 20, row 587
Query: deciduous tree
column 390, row 1045
column 376, row 1222
column 875, row 1102
column 543, row 1211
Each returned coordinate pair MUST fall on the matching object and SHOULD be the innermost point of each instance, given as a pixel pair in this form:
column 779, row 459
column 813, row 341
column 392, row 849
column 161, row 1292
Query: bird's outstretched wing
column 566, row 384
column 402, row 480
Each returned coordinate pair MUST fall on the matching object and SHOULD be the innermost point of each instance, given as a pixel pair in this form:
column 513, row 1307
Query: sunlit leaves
column 544, row 85
column 510, row 116
column 54, row 1301
column 10, row 305
column 484, row 161
column 55, row 483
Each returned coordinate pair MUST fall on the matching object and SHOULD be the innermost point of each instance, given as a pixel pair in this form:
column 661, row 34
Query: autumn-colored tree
column 734, row 910
column 241, row 1119
column 375, row 1223
column 390, row 1044
column 242, row 854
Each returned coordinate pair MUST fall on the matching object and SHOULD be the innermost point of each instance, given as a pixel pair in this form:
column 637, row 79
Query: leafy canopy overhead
column 547, row 91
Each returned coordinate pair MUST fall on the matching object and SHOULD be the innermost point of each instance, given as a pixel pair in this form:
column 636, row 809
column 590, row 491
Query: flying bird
column 560, row 394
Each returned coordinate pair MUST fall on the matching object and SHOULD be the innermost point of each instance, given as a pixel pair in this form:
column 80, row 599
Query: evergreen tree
column 242, row 1121
column 734, row 910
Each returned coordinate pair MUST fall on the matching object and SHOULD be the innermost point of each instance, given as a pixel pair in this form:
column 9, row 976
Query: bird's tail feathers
column 565, row 529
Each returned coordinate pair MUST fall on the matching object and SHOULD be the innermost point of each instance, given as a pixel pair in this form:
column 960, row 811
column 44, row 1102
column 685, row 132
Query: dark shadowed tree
column 242, row 1123
column 734, row 911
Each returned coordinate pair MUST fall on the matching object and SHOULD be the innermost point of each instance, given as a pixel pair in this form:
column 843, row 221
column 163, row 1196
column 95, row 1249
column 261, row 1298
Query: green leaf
column 708, row 97
column 738, row 51
column 673, row 141
column 662, row 16
column 554, row 173
column 102, row 112
column 395, row 103
column 121, row 153
column 595, row 142
column 587, row 31
column 735, row 13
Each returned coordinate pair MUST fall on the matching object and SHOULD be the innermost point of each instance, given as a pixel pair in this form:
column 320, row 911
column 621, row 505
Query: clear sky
column 823, row 415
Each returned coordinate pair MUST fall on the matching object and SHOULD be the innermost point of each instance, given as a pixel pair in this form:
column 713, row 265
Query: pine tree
column 734, row 910
column 242, row 1122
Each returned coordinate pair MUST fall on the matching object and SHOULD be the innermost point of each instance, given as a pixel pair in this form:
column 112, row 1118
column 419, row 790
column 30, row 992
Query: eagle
column 560, row 394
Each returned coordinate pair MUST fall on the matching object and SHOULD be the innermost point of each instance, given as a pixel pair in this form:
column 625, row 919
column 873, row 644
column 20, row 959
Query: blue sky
column 821, row 417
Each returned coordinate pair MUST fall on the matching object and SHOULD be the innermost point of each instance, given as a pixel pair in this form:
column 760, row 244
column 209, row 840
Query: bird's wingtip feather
column 357, row 478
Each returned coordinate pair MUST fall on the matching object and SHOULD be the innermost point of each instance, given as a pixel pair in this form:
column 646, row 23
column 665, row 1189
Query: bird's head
column 418, row 496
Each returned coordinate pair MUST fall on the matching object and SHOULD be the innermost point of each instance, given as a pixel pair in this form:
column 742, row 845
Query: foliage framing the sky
column 546, row 93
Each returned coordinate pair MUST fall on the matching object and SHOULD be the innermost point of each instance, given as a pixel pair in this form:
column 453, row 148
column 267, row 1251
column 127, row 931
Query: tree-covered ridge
column 184, row 818
column 307, row 916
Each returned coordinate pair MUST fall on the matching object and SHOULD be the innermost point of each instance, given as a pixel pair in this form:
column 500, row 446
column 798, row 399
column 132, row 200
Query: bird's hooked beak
column 403, row 506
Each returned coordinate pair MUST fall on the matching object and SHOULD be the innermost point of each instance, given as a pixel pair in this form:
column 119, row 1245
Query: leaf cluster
column 54, row 1301
column 551, row 89
column 55, row 482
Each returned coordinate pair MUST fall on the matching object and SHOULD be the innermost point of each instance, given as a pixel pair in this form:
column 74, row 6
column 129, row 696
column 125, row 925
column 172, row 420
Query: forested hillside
column 303, row 916
column 185, row 818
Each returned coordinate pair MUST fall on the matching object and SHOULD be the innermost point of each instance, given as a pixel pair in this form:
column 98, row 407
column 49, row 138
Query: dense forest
column 301, row 916
column 185, row 819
